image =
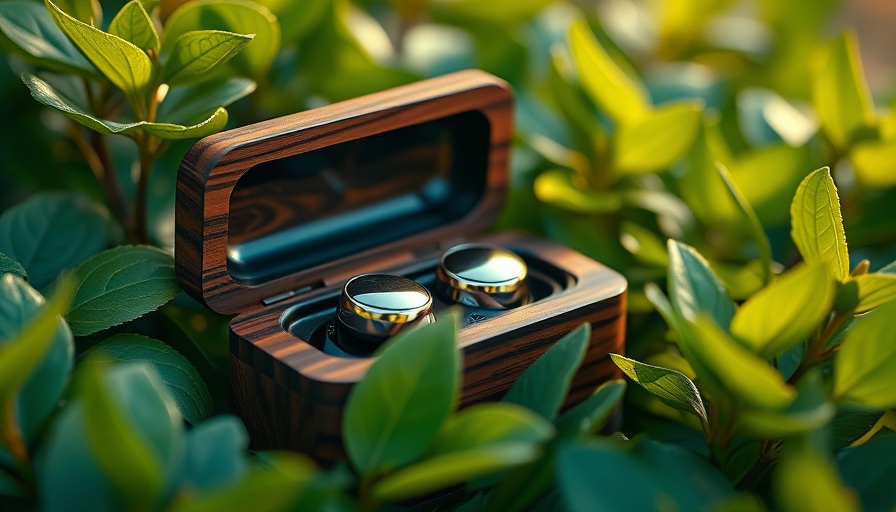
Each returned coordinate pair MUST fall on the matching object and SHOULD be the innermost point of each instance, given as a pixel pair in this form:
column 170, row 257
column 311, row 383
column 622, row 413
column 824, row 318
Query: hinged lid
column 284, row 204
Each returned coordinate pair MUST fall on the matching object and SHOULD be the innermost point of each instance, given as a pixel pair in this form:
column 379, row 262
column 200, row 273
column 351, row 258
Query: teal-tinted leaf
column 657, row 140
column 810, row 411
column 198, row 52
column 558, row 187
column 118, row 285
column 11, row 266
column 215, row 455
column 671, row 387
column 88, row 11
column 36, row 353
column 30, row 28
column 874, row 163
column 133, row 24
column 395, row 412
column 11, row 486
column 183, row 105
column 592, row 413
column 751, row 222
column 786, row 312
column 544, row 385
column 51, row 232
column 851, row 424
column 805, row 480
column 875, row 290
column 816, row 223
column 46, row 94
column 639, row 475
column 490, row 425
column 644, row 244
column 694, row 288
column 840, row 93
column 183, row 381
column 614, row 92
column 124, row 64
column 868, row 470
column 866, row 363
column 237, row 16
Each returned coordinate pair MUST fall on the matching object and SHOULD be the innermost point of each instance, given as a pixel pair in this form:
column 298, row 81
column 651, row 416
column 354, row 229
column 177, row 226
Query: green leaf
column 183, row 105
column 395, row 412
column 118, row 285
column 614, row 92
column 805, row 480
column 572, row 102
column 237, row 16
column 864, row 368
column 741, row 373
column 592, row 413
column 874, row 163
column 11, row 266
column 840, row 92
column 808, row 412
column 638, row 475
column 658, row 140
column 46, row 94
column 754, row 227
column 51, row 232
column 477, row 441
column 124, row 64
column 133, row 24
column 875, row 290
column 850, row 424
column 769, row 177
column 215, row 454
column 694, row 288
column 88, row 11
column 817, row 226
column 30, row 28
column 786, row 312
column 558, row 187
column 197, row 53
column 544, row 385
column 644, row 244
column 671, row 387
column 182, row 380
column 496, row 11
column 868, row 470
column 297, row 23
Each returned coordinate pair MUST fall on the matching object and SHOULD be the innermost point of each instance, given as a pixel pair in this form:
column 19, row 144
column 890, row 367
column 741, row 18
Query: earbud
column 483, row 276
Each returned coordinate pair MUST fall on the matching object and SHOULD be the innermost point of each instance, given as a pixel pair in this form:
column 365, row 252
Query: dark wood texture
column 211, row 169
column 291, row 394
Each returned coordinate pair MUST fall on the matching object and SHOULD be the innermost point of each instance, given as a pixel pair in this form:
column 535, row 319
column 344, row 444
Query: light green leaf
column 671, row 387
column 236, row 16
column 874, row 163
column 817, row 226
column 769, row 177
column 590, row 415
column 197, row 53
column 742, row 374
column 805, row 480
column 30, row 28
column 544, row 385
column 395, row 412
column 694, row 288
column 88, row 11
column 749, row 218
column 558, row 187
column 296, row 24
column 657, row 140
column 183, row 381
column 875, row 290
column 866, row 363
column 786, row 312
column 496, row 11
column 46, row 94
column 701, row 178
column 119, row 285
column 11, row 266
column 183, row 105
column 572, row 103
column 840, row 92
column 490, row 424
column 124, row 64
column 132, row 23
column 614, row 92
column 644, row 244
column 808, row 412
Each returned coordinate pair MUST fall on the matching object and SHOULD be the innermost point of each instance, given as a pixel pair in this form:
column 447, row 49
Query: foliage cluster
column 661, row 143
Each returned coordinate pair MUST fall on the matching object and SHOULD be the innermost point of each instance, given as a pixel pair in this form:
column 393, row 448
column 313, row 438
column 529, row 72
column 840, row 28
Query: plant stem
column 12, row 438
column 365, row 494
column 767, row 456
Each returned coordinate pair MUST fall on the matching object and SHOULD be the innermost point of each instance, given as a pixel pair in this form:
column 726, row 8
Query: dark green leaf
column 786, row 312
column 133, row 24
column 184, row 383
column 124, row 64
column 868, row 470
column 52, row 232
column 850, row 424
column 544, row 385
column 817, row 226
column 694, row 288
column 183, row 105
column 659, row 139
column 118, row 285
column 592, row 413
column 30, row 28
column 198, row 52
column 215, row 455
column 11, row 266
column 395, row 412
column 670, row 386
column 866, row 363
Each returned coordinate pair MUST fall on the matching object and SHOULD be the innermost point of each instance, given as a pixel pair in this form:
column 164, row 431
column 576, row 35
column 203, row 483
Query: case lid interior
column 281, row 205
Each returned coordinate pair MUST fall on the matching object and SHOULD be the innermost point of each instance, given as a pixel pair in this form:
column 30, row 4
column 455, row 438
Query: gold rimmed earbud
column 484, row 276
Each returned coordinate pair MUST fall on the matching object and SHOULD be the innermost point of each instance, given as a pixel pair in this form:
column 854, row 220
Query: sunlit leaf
column 808, row 412
column 817, row 226
column 875, row 290
column 183, row 104
column 88, row 11
column 659, row 139
column 694, row 288
column 874, row 163
column 749, row 219
column 557, row 187
column 30, row 28
column 644, row 244
column 866, row 361
column 133, row 24
column 670, row 386
column 196, row 53
column 805, row 480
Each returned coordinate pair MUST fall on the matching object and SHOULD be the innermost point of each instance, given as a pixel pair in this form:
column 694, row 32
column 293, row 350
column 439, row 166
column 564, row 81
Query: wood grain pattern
column 211, row 169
